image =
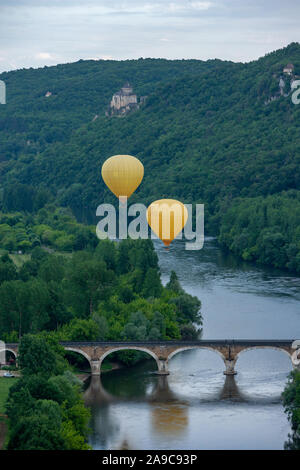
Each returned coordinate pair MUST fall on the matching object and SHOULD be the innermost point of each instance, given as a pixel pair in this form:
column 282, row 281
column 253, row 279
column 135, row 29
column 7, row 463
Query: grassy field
column 48, row 249
column 19, row 260
column 5, row 385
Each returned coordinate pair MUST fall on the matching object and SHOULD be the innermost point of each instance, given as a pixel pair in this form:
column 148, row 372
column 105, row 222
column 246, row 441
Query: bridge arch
column 130, row 348
column 188, row 348
column 11, row 351
column 79, row 351
column 275, row 348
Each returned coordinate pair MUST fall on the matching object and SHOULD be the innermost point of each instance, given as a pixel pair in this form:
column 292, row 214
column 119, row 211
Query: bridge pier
column 162, row 367
column 229, row 364
column 95, row 367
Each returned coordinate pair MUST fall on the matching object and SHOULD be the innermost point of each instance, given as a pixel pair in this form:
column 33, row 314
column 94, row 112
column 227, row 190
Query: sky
column 34, row 33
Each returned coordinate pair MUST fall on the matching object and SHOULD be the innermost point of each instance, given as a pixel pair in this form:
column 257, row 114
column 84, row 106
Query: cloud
column 44, row 56
column 157, row 7
column 113, row 7
column 34, row 33
column 106, row 57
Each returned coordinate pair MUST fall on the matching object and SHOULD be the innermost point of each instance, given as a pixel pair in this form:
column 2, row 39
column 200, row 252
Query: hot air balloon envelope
column 122, row 174
column 167, row 217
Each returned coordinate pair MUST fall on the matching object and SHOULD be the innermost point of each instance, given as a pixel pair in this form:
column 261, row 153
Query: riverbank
column 108, row 367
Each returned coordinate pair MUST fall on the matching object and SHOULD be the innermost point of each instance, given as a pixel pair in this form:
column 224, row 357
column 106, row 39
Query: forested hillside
column 214, row 132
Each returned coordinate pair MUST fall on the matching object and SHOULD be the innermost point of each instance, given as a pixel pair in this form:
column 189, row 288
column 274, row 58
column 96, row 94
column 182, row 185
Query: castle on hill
column 124, row 101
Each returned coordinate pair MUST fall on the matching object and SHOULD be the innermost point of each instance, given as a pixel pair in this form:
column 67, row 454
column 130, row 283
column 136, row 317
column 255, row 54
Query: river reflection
column 170, row 419
column 196, row 406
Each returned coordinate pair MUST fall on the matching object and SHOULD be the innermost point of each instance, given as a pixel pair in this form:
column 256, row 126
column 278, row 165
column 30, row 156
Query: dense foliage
column 106, row 291
column 45, row 407
column 291, row 401
column 207, row 133
column 265, row 229
column 54, row 228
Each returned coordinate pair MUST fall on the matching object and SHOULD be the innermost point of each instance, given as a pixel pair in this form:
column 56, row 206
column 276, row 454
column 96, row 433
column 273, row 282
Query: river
column 196, row 406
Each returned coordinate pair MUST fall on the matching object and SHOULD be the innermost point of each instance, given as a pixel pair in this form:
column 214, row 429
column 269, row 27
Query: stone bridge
column 163, row 351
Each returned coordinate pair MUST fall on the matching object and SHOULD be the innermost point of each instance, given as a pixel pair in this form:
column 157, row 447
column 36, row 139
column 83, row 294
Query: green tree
column 8, row 272
column 152, row 284
column 36, row 356
column 136, row 328
column 45, row 406
column 89, row 280
column 188, row 308
column 291, row 403
column 80, row 329
column 174, row 283
column 15, row 308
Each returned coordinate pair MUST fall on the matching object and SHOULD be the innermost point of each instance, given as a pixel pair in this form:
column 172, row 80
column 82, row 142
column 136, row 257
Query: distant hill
column 211, row 132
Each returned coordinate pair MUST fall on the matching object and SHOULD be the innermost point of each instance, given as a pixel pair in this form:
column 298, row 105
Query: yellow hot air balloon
column 167, row 217
column 122, row 174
